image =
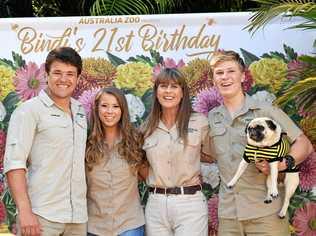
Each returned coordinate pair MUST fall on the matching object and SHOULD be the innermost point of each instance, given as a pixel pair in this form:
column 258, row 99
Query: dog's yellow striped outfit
column 274, row 153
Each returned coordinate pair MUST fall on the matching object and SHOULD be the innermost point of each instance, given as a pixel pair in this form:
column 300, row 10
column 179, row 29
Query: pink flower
column 248, row 82
column 206, row 100
column 30, row 80
column 87, row 100
column 295, row 68
column 2, row 148
column 167, row 63
column 304, row 220
column 308, row 172
column 213, row 215
column 3, row 212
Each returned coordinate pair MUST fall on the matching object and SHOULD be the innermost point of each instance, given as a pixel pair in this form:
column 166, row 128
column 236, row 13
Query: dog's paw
column 274, row 194
column 281, row 216
column 230, row 185
column 267, row 201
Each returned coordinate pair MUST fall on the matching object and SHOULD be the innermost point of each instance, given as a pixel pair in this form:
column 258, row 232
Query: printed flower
column 3, row 212
column 87, row 82
column 135, row 76
column 167, row 63
column 308, row 172
column 136, row 107
column 248, row 82
column 198, row 75
column 87, row 100
column 98, row 67
column 2, row 148
column 6, row 81
column 213, row 215
column 210, row 174
column 308, row 125
column 269, row 72
column 304, row 220
column 206, row 100
column 30, row 80
column 3, row 112
column 264, row 96
column 295, row 68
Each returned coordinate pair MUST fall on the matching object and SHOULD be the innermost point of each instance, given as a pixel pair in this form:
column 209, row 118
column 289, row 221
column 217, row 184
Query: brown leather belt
column 176, row 190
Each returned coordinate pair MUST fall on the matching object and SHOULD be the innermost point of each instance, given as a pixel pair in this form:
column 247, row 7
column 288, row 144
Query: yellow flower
column 98, row 67
column 198, row 75
column 136, row 76
column 6, row 81
column 269, row 72
column 292, row 229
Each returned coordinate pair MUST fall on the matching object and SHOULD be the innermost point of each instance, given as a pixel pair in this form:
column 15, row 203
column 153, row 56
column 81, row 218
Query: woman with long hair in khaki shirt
column 113, row 156
column 173, row 141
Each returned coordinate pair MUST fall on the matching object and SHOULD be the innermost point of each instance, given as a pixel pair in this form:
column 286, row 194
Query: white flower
column 264, row 96
column 210, row 174
column 136, row 107
column 2, row 112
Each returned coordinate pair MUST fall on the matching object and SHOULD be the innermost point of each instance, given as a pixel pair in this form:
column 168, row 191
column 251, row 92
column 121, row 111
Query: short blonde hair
column 222, row 56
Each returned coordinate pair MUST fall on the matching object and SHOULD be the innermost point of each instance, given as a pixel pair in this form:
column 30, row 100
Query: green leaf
column 10, row 102
column 249, row 57
column 18, row 60
column 116, row 61
column 157, row 59
column 307, row 59
column 290, row 53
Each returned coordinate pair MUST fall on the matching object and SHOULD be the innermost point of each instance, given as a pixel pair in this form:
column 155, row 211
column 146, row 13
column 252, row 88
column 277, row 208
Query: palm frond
column 272, row 8
column 121, row 7
column 303, row 91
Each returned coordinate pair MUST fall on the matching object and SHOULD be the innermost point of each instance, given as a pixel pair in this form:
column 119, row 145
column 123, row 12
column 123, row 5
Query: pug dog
column 265, row 141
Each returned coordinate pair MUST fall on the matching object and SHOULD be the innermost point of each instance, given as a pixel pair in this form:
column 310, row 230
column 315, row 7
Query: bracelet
column 290, row 162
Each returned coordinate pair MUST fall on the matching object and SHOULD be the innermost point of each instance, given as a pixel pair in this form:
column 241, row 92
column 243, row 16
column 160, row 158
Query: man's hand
column 29, row 224
column 263, row 166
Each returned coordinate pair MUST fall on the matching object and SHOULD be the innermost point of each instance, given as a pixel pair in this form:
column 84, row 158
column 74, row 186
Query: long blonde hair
column 184, row 113
column 130, row 146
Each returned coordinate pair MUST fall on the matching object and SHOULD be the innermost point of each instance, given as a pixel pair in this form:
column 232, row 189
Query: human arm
column 18, row 145
column 28, row 221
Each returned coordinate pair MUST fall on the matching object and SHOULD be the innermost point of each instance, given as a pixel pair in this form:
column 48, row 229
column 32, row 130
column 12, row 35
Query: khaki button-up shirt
column 171, row 162
column 246, row 199
column 113, row 198
column 50, row 145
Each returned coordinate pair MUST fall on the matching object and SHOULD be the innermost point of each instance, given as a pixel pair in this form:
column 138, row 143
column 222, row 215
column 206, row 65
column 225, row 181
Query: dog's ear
column 271, row 124
column 246, row 129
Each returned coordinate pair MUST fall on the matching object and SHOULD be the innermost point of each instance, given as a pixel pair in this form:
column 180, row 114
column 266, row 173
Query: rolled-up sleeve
column 19, row 139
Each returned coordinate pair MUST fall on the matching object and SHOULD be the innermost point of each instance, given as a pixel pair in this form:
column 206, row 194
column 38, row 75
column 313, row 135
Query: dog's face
column 263, row 132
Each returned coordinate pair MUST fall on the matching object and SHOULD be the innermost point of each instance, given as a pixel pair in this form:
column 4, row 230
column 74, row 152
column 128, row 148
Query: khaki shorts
column 50, row 228
column 270, row 225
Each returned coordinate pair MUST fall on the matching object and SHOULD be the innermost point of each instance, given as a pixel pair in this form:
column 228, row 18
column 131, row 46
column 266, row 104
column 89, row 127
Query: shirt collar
column 43, row 96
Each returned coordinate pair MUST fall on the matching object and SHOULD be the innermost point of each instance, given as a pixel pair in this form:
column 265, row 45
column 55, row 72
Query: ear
column 271, row 124
column 246, row 129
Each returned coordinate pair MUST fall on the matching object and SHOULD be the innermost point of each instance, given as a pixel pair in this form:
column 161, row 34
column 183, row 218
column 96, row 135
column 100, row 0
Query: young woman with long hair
column 113, row 157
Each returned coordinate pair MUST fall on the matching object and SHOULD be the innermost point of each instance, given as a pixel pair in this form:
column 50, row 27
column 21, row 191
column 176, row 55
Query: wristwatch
column 290, row 162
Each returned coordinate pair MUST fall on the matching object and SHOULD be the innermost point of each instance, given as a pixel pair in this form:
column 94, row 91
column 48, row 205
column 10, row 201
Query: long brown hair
column 130, row 145
column 184, row 113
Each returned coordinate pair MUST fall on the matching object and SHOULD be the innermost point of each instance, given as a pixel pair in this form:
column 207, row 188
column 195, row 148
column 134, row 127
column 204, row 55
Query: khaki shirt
column 113, row 198
column 171, row 163
column 50, row 145
column 246, row 199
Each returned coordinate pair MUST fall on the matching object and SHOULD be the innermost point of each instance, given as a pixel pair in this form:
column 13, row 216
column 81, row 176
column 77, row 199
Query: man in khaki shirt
column 44, row 158
column 242, row 210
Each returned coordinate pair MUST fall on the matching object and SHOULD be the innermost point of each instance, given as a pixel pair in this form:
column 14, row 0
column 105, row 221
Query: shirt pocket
column 150, row 147
column 219, row 142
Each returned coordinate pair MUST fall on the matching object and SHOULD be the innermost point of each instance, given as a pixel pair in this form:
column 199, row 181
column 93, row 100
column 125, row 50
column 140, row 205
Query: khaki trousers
column 176, row 215
column 50, row 228
column 270, row 225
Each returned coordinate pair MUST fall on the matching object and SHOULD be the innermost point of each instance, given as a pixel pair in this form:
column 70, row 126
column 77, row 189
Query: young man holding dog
column 242, row 210
column 45, row 151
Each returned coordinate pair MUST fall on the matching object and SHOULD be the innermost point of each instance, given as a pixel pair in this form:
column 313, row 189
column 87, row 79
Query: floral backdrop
column 285, row 78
